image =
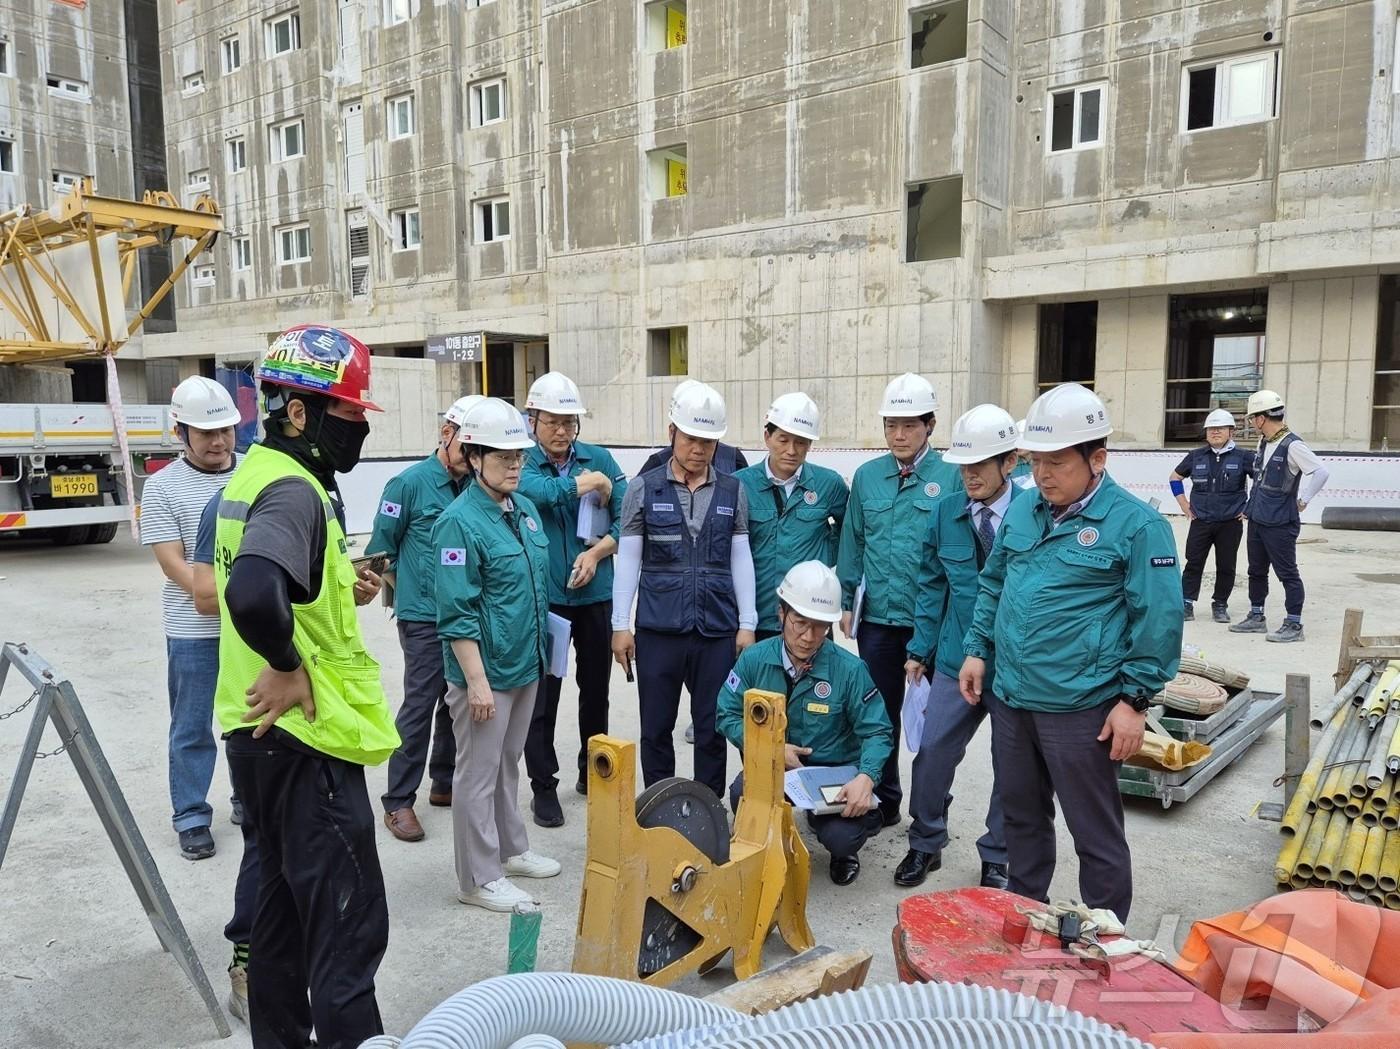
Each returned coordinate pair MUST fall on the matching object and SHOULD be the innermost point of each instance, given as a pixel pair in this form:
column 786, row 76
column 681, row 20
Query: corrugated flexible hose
column 933, row 1033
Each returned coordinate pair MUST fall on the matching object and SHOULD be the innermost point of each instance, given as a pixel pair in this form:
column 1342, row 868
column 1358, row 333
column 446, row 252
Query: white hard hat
column 811, row 589
column 908, row 396
column 1263, row 401
column 797, row 414
column 458, row 411
column 699, row 411
column 1219, row 417
column 203, row 404
column 1064, row 417
column 981, row 433
column 556, row 393
column 494, row 423
column 681, row 388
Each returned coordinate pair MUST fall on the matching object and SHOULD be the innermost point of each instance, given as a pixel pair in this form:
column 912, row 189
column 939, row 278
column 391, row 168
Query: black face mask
column 338, row 442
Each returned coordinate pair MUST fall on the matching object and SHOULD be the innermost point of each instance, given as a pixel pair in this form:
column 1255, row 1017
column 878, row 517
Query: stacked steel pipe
column 1343, row 823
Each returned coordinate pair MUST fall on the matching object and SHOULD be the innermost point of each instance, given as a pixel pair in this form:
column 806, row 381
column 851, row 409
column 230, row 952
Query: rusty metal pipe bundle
column 1344, row 695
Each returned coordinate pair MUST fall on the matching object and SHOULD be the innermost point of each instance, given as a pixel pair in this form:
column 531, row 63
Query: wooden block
column 820, row 971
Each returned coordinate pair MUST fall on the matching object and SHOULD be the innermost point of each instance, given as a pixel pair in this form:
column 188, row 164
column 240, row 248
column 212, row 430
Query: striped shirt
column 171, row 503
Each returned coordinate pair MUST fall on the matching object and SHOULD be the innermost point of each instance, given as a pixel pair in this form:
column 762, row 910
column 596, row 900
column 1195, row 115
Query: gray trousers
column 949, row 723
column 486, row 823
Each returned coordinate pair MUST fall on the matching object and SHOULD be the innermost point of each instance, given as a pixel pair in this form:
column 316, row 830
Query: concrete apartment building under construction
column 1176, row 201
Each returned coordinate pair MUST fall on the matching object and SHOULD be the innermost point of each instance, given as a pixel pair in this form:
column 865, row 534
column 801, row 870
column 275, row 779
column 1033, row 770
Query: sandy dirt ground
column 80, row 966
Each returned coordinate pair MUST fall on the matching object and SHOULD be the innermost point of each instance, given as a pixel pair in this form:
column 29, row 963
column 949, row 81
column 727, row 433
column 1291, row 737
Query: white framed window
column 63, row 181
column 199, row 181
column 357, row 243
column 236, row 150
column 1075, row 118
column 283, row 33
column 202, row 276
column 396, row 11
column 231, row 54
column 1230, row 91
column 65, row 87
column 288, row 140
column 5, row 67
column 402, row 118
column 294, row 244
column 407, row 231
column 193, row 83
column 242, row 253
column 7, row 156
column 488, row 102
column 492, row 219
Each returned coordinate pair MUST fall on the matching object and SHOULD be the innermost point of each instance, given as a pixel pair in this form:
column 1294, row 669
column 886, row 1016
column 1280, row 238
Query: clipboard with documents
column 594, row 519
column 559, row 632
column 913, row 710
column 813, row 788
column 857, row 606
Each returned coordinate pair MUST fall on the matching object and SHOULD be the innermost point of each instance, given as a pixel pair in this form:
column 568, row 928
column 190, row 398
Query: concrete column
column 1131, row 367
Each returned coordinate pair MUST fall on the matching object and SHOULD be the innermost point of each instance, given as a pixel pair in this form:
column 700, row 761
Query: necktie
column 985, row 531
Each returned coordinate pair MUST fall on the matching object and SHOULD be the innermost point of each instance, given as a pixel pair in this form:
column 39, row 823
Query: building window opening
column 1068, row 335
column 1229, row 92
column 1215, row 357
column 283, row 34
column 937, row 34
column 666, row 25
column 492, row 220
column 934, row 220
column 667, row 174
column 7, row 156
column 1076, row 118
column 1385, row 404
column 668, row 351
column 488, row 102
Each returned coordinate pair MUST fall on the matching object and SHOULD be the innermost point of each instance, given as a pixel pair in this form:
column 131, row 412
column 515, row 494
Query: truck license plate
column 72, row 486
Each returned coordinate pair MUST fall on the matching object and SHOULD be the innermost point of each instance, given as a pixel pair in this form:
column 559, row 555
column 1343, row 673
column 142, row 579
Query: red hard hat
column 322, row 360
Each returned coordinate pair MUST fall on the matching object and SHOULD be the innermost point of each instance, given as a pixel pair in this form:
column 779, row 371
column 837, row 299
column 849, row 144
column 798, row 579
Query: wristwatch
column 1139, row 700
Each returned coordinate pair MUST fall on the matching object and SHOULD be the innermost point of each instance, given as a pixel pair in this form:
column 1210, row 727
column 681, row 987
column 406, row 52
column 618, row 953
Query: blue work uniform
column 956, row 546
column 833, row 707
column 1274, row 525
column 403, row 533
column 553, row 488
column 1077, row 613
column 786, row 529
column 1219, row 488
column 881, row 540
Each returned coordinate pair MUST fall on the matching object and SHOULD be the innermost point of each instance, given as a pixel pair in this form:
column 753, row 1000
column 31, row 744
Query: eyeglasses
column 567, row 424
column 507, row 458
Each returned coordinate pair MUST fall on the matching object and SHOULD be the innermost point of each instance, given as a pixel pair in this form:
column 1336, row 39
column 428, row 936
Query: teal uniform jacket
column 491, row 587
column 948, row 586
column 835, row 708
column 1082, row 611
column 883, row 534
column 807, row 529
column 556, row 496
column 403, row 532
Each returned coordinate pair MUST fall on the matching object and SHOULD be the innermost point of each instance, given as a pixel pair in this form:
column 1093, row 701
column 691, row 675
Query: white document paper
column 804, row 786
column 559, row 631
column 912, row 713
column 594, row 518
column 857, row 606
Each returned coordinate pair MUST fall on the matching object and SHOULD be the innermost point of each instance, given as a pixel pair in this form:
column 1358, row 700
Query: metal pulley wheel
column 692, row 811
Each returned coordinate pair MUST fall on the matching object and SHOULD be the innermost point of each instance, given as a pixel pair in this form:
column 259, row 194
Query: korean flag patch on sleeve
column 733, row 682
column 389, row 509
column 454, row 555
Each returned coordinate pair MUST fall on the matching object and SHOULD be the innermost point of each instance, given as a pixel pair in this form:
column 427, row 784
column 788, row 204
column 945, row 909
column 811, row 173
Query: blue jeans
column 193, row 670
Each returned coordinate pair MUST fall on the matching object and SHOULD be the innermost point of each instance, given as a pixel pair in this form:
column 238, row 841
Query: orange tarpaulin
column 1315, row 950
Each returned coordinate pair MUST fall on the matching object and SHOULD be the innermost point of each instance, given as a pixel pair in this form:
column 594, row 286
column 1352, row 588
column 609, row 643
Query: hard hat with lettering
column 908, row 396
column 811, row 589
column 1219, row 417
column 1063, row 417
column 317, row 359
column 1264, row 401
column 681, row 387
column 203, row 404
column 458, row 411
column 495, row 424
column 556, row 393
column 797, row 414
column 699, row 411
column 981, row 433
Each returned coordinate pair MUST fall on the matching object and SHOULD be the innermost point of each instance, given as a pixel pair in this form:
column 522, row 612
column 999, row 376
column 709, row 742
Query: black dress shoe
column 582, row 786
column 545, row 806
column 844, row 869
column 994, row 876
column 915, row 867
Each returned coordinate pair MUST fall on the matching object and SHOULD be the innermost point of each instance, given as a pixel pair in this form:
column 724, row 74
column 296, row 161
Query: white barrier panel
column 1355, row 480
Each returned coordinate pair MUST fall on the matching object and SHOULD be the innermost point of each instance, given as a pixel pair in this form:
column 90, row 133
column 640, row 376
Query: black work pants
column 665, row 662
column 1274, row 546
column 838, row 835
column 884, row 650
column 424, row 713
column 322, row 922
column 591, row 634
column 1203, row 536
column 1042, row 756
column 245, row 889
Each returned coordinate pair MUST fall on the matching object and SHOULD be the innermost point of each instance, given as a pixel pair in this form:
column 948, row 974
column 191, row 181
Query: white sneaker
column 498, row 895
column 532, row 865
